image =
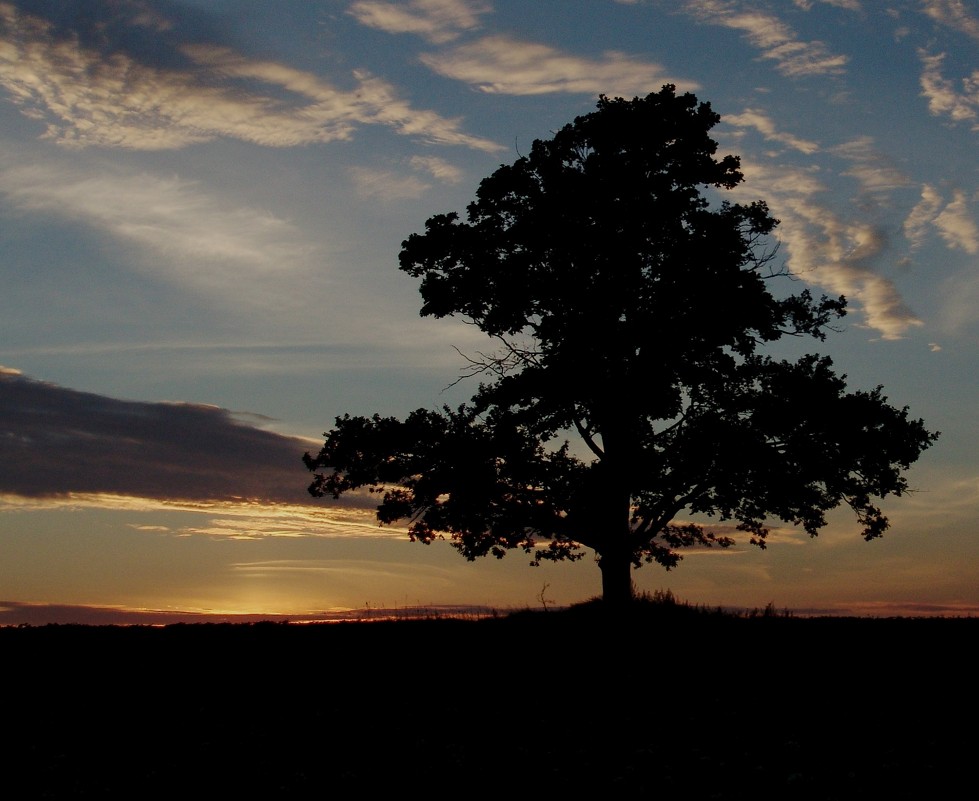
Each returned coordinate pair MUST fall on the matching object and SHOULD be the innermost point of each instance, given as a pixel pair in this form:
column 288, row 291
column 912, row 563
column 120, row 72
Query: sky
column 201, row 208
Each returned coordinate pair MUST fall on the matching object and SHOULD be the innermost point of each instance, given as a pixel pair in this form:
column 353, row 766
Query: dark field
column 666, row 704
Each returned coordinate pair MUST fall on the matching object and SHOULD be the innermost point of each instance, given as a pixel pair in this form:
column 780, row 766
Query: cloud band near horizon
column 56, row 442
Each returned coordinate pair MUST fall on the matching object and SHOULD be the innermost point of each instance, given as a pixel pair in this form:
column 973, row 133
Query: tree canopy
column 628, row 389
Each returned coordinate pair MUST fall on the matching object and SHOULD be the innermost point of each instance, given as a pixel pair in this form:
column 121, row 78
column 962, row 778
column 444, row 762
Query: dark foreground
column 546, row 705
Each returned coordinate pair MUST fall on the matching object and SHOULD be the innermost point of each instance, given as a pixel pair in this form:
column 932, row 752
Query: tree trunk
column 616, row 567
column 615, row 502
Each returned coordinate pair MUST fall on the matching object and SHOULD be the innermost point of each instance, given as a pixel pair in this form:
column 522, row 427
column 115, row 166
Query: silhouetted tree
column 628, row 305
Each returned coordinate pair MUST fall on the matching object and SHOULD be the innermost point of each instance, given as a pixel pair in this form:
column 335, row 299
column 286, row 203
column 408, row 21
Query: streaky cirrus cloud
column 849, row 5
column 173, row 225
column 872, row 169
column 953, row 14
column 765, row 125
column 775, row 39
column 438, row 168
column 56, row 442
column 438, row 21
column 824, row 249
column 957, row 225
column 954, row 221
column 960, row 307
column 232, row 519
column 386, row 185
column 944, row 99
column 389, row 185
column 503, row 65
column 374, row 101
column 922, row 217
column 91, row 95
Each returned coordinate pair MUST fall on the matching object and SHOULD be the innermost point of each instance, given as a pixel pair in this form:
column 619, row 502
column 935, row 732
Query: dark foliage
column 629, row 307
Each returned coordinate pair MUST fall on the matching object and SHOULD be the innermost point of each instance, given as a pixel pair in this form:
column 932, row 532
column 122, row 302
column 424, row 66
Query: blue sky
column 201, row 207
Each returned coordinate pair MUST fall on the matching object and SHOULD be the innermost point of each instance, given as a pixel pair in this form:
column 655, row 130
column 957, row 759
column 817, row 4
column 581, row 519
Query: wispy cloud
column 374, row 101
column 386, row 185
column 761, row 122
column 848, row 251
column 256, row 521
column 231, row 519
column 841, row 254
column 822, row 248
column 943, row 97
column 849, row 5
column 774, row 38
column 922, row 216
column 954, row 14
column 870, row 167
column 438, row 21
column 106, row 97
column 503, row 65
column 960, row 309
column 438, row 168
column 174, row 225
column 955, row 223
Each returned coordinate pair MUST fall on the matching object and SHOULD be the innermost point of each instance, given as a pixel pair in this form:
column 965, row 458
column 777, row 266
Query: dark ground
column 667, row 704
